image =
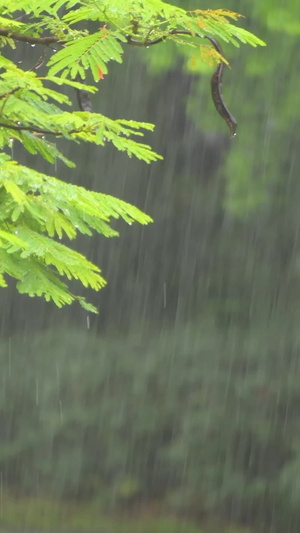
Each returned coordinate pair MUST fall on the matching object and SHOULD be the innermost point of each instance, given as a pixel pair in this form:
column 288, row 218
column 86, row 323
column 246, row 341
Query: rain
column 175, row 409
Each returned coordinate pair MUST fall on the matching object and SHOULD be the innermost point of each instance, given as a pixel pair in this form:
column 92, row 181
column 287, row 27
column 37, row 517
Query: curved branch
column 216, row 92
column 216, row 79
column 147, row 43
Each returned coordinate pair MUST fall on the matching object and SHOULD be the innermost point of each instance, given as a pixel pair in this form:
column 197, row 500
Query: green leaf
column 37, row 210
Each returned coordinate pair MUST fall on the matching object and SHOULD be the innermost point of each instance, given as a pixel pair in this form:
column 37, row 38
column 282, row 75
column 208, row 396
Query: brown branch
column 174, row 32
column 29, row 39
column 133, row 42
column 40, row 131
column 55, row 40
column 4, row 95
column 216, row 80
column 147, row 43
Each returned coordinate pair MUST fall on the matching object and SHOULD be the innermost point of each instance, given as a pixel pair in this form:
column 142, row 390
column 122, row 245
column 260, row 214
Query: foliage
column 38, row 209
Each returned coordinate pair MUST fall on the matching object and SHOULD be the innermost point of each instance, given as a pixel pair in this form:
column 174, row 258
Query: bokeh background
column 177, row 408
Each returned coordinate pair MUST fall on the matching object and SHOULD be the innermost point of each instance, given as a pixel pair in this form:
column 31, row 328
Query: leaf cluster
column 77, row 37
column 37, row 208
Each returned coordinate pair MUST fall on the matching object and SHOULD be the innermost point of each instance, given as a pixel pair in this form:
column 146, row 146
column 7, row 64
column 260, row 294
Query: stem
column 28, row 39
column 55, row 40
column 37, row 130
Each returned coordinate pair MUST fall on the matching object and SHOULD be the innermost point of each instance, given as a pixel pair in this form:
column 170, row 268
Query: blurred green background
column 177, row 409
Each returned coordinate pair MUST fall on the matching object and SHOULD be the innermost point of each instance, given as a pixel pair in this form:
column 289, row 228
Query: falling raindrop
column 37, row 391
column 11, row 140
column 4, row 386
column 61, row 411
column 1, row 494
column 9, row 354
column 57, row 379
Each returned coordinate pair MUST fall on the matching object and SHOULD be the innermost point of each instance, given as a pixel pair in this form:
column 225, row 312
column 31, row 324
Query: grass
column 41, row 514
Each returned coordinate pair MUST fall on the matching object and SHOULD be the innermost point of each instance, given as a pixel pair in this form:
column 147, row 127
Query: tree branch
column 55, row 40
column 5, row 95
column 147, row 43
column 40, row 131
column 29, row 39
